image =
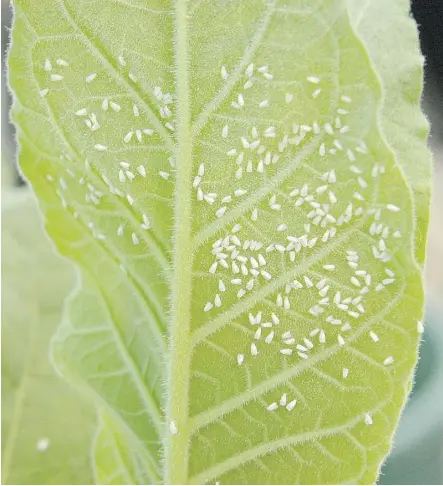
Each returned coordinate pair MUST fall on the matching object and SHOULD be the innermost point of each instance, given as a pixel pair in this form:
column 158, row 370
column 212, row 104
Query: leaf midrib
column 176, row 446
column 185, row 244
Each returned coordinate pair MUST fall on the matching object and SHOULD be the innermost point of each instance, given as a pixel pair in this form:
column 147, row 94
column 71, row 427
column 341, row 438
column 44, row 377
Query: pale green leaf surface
column 36, row 404
column 140, row 284
column 392, row 43
column 119, row 460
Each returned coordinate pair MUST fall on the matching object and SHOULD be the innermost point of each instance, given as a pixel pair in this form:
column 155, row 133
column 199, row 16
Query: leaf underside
column 249, row 228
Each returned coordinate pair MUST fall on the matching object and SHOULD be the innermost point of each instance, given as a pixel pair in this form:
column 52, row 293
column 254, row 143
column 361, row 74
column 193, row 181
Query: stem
column 176, row 447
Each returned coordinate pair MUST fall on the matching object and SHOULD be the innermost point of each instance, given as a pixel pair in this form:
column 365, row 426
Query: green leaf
column 400, row 66
column 119, row 460
column 227, row 178
column 46, row 427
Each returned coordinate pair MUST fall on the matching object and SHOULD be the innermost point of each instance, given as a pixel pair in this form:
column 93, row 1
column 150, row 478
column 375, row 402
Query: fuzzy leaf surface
column 245, row 233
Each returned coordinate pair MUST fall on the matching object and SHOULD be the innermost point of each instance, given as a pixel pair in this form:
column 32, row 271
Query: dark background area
column 429, row 17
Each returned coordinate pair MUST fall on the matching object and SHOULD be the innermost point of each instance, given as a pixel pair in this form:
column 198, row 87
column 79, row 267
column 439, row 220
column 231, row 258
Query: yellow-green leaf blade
column 223, row 164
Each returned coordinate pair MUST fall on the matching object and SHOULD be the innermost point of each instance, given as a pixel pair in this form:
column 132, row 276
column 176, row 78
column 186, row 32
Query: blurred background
column 417, row 456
